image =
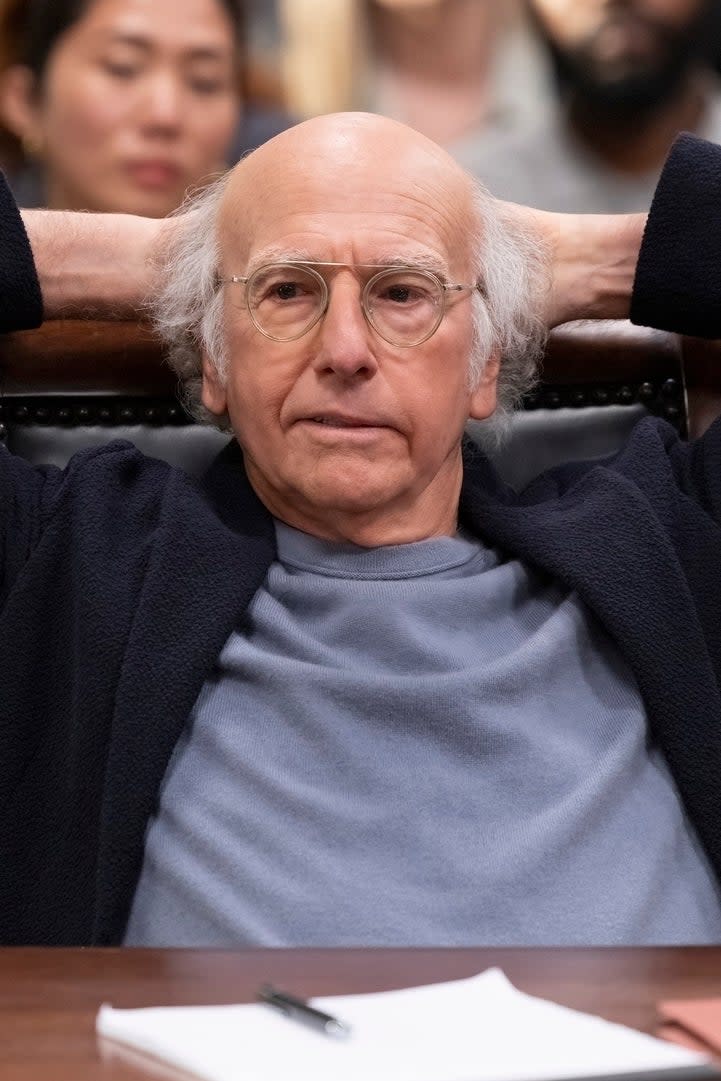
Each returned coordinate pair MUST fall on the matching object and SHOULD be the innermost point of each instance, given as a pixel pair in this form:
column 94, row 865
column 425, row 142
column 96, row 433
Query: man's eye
column 281, row 291
column 286, row 290
column 402, row 294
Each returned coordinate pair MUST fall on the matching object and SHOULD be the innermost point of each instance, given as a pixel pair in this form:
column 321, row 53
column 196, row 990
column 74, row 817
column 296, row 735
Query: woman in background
column 118, row 105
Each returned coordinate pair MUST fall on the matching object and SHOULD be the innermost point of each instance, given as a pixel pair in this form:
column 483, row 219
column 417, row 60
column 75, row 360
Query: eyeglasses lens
column 285, row 300
column 404, row 306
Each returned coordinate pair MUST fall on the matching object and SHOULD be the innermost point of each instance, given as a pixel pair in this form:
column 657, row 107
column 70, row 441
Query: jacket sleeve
column 21, row 305
column 678, row 276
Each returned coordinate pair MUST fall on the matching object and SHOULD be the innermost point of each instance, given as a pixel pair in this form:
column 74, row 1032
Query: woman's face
column 138, row 103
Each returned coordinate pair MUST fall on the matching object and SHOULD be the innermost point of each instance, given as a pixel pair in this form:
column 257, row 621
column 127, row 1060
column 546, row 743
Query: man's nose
column 345, row 339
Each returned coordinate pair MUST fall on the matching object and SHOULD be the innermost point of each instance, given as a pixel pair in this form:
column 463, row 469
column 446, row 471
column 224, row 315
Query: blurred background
column 563, row 104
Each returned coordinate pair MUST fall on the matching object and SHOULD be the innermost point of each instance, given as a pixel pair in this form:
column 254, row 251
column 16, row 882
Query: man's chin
column 350, row 474
column 358, row 499
column 348, row 485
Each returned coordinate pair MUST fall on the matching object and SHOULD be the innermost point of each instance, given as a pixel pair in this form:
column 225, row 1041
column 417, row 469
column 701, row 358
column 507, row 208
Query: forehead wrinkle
column 278, row 253
column 435, row 200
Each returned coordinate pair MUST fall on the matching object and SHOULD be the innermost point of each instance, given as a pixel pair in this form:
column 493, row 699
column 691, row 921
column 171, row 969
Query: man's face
column 623, row 53
column 339, row 425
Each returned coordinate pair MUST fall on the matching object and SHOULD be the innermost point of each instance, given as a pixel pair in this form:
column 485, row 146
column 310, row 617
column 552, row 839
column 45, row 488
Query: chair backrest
column 75, row 384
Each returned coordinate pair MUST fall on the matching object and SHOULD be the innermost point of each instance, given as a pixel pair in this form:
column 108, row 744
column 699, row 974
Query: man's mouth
column 335, row 427
column 343, row 422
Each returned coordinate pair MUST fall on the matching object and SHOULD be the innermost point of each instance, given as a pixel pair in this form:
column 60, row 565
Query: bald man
column 349, row 689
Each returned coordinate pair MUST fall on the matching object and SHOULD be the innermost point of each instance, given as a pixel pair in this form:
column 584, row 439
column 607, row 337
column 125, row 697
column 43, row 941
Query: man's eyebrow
column 423, row 260
column 277, row 254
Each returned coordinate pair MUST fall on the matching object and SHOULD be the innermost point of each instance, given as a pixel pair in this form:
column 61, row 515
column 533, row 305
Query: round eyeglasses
column 404, row 305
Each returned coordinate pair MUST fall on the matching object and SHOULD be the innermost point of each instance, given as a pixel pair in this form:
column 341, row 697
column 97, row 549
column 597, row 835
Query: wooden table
column 49, row 998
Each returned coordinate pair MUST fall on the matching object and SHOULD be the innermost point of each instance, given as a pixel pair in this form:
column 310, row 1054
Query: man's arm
column 592, row 260
column 56, row 264
column 106, row 265
column 662, row 270
column 95, row 265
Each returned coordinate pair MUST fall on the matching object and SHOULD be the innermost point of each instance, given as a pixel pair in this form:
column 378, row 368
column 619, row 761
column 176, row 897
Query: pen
column 299, row 1010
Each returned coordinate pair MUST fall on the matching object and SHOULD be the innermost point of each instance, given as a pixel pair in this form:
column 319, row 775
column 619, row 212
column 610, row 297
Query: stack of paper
column 478, row 1029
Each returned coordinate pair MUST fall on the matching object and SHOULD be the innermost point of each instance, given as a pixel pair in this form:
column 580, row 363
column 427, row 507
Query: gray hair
column 512, row 267
column 187, row 311
column 507, row 322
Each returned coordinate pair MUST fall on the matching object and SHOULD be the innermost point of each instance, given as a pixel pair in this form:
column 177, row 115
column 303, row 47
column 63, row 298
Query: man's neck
column 405, row 520
column 638, row 143
column 372, row 530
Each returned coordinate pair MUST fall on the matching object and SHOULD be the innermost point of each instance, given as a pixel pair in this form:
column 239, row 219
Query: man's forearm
column 662, row 271
column 96, row 265
column 595, row 265
column 591, row 260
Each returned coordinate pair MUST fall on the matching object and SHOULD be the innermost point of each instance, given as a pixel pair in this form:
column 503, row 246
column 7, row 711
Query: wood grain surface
column 49, row 997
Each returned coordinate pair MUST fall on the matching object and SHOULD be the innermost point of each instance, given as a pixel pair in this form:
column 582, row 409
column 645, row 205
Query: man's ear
column 484, row 397
column 213, row 393
column 18, row 106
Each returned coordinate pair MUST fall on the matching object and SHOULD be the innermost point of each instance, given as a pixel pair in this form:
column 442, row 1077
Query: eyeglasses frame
column 382, row 269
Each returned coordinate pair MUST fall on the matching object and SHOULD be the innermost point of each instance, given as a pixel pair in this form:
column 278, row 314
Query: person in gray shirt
column 349, row 688
column 371, row 755
column 624, row 80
